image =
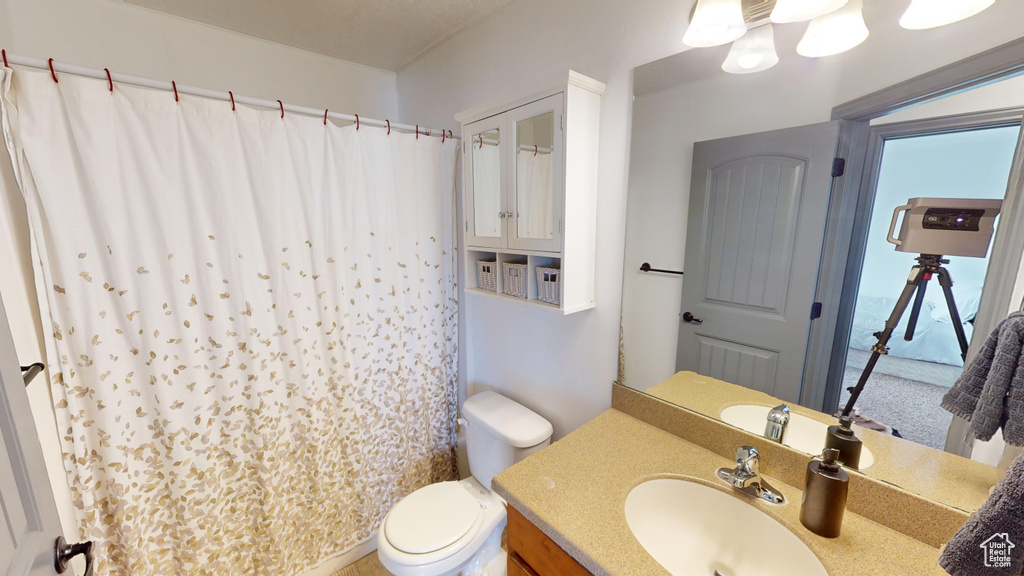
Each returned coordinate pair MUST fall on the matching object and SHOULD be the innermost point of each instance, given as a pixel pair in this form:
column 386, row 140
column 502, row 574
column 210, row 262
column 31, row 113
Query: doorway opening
column 906, row 387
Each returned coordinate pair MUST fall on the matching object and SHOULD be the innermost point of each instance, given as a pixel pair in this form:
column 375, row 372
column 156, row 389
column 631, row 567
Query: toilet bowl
column 454, row 528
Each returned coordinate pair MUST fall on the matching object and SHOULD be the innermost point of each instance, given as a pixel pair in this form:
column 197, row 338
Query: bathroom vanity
column 574, row 494
column 532, row 553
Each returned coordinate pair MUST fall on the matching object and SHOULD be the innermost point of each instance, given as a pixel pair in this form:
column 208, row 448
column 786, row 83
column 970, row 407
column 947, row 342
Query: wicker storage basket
column 514, row 276
column 487, row 275
column 548, row 284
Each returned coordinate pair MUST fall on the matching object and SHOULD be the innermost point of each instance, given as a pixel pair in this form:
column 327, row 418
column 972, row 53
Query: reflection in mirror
column 487, row 184
column 534, row 177
column 684, row 99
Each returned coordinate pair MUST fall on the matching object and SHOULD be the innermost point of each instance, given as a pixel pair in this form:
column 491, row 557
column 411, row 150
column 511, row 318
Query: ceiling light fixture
column 787, row 11
column 924, row 14
column 835, row 26
column 753, row 52
column 715, row 22
column 835, row 32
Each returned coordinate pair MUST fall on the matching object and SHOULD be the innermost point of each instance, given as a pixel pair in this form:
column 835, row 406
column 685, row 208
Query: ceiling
column 384, row 34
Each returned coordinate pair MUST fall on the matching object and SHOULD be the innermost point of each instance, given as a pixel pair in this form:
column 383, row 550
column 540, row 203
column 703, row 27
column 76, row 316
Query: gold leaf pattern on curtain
column 254, row 322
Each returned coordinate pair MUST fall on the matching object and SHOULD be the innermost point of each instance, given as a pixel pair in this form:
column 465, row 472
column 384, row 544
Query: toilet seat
column 450, row 559
column 432, row 518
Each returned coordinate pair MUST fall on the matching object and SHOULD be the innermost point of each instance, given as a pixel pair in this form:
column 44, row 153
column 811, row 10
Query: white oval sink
column 803, row 433
column 693, row 530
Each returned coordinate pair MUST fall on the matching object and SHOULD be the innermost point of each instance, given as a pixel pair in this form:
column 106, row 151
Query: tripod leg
column 915, row 310
column 954, row 315
column 915, row 279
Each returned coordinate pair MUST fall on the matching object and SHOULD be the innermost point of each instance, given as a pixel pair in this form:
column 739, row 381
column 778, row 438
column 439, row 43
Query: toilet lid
column 431, row 518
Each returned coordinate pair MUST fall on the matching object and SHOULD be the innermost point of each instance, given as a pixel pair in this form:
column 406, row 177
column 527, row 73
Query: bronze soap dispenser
column 842, row 438
column 824, row 500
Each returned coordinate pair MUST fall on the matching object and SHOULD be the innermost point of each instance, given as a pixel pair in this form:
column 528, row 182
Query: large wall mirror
column 733, row 183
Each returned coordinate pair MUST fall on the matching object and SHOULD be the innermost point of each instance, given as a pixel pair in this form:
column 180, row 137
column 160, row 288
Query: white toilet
column 453, row 528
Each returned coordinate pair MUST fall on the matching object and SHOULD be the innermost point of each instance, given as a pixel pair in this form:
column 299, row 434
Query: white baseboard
column 335, row 563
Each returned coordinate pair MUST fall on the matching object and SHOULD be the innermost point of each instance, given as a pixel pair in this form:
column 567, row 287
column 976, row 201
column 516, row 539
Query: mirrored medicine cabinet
column 529, row 197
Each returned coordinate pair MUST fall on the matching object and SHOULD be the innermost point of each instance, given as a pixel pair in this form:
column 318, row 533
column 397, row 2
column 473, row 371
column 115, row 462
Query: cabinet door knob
column 688, row 317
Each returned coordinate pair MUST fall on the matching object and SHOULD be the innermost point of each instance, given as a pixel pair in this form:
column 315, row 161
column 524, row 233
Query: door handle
column 64, row 552
column 687, row 317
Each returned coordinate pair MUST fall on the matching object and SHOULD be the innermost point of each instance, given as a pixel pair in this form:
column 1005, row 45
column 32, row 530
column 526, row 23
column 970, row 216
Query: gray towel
column 994, row 534
column 990, row 392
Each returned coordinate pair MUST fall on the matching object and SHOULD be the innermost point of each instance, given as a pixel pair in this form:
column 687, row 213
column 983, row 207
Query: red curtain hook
column 174, row 85
column 389, row 126
column 325, row 116
column 232, row 96
column 534, row 149
column 449, row 134
column 357, row 122
column 281, row 104
column 6, row 65
column 417, row 131
column 442, row 136
column 110, row 81
column 53, row 74
column 481, row 141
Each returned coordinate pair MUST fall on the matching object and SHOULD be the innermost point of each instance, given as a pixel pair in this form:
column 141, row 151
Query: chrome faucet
column 747, row 476
column 778, row 421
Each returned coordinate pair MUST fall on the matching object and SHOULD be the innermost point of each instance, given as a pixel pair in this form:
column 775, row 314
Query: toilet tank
column 499, row 433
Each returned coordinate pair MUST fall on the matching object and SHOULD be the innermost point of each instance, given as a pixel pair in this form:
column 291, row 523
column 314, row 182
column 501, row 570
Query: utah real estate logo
column 998, row 550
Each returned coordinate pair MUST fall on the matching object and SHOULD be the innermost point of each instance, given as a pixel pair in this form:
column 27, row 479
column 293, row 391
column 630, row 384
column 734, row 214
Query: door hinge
column 815, row 310
column 467, row 225
column 838, row 167
column 561, row 121
column 559, row 225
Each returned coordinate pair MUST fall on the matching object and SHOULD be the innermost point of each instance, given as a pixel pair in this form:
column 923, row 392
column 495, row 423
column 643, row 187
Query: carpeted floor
column 931, row 372
column 908, row 405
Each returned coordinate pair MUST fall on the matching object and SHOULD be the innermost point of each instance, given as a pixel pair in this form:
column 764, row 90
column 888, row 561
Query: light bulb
column 932, row 13
column 715, row 22
column 835, row 32
column 752, row 53
column 750, row 61
column 786, row 11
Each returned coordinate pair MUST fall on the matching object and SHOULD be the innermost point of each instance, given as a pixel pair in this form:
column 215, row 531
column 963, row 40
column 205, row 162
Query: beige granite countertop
column 575, row 492
column 940, row 476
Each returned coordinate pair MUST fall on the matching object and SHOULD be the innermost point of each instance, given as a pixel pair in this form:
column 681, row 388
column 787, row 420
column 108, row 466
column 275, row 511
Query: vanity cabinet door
column 486, row 198
column 537, row 180
column 531, row 552
column 516, row 568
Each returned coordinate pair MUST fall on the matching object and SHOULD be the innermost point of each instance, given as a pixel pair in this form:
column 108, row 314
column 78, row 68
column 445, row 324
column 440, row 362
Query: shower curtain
column 487, row 177
column 533, row 195
column 253, row 351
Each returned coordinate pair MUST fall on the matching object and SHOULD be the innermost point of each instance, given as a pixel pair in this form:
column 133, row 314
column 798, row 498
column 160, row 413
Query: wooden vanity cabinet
column 532, row 553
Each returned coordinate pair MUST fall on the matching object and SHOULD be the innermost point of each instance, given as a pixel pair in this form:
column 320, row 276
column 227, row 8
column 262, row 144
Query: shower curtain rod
column 103, row 74
column 522, row 147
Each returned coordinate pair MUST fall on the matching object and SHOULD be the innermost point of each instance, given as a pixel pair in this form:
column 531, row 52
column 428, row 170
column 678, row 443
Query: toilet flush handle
column 462, row 423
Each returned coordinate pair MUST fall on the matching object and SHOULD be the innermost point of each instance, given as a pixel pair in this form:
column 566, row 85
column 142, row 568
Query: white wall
column 796, row 92
column 133, row 40
column 562, row 367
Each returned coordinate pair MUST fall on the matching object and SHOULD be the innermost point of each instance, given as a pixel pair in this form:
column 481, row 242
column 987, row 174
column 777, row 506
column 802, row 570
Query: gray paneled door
column 28, row 514
column 753, row 241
